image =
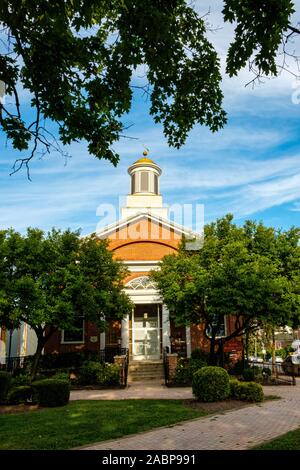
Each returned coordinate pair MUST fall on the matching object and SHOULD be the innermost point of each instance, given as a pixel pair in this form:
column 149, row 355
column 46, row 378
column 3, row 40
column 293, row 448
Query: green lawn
column 288, row 441
column 85, row 422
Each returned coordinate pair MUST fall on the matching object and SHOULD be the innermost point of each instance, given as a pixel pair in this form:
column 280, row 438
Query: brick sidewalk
column 153, row 389
column 238, row 429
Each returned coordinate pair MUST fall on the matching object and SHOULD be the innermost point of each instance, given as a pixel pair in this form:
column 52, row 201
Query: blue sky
column 251, row 168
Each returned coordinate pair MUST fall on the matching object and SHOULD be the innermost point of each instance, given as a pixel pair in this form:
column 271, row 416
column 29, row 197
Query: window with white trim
column 221, row 328
column 75, row 335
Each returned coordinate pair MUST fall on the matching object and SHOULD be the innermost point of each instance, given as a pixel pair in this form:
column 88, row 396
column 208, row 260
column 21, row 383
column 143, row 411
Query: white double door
column 146, row 332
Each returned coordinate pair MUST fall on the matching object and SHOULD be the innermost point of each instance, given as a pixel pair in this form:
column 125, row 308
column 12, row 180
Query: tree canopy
column 78, row 60
column 49, row 280
column 249, row 273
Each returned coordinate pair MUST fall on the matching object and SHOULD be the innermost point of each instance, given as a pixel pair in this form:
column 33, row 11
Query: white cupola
column 144, row 189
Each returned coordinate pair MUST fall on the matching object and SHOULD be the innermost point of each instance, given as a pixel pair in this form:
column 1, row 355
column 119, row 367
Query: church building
column 141, row 238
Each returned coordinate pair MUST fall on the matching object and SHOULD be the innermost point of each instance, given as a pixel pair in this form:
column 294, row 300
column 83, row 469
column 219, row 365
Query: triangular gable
column 106, row 232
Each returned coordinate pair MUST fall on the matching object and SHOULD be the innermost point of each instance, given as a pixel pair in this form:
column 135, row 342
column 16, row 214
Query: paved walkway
column 238, row 429
column 153, row 389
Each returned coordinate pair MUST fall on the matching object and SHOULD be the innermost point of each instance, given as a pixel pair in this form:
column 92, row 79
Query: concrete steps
column 140, row 371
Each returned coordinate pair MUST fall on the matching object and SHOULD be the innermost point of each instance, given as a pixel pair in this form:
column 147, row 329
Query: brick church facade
column 141, row 238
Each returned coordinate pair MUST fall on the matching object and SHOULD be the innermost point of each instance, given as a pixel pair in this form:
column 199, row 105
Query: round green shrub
column 249, row 391
column 234, row 387
column 211, row 384
column 5, row 382
column 52, row 392
column 21, row 394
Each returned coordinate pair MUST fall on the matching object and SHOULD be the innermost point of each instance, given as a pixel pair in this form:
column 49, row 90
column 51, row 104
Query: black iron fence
column 71, row 361
column 266, row 373
column 108, row 354
column 14, row 363
column 276, row 373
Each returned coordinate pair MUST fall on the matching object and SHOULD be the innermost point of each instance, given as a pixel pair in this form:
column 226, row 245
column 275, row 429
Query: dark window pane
column 220, row 328
column 133, row 184
column 76, row 335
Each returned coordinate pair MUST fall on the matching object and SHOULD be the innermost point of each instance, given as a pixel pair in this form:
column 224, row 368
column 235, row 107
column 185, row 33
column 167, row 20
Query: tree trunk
column 212, row 356
column 221, row 354
column 36, row 359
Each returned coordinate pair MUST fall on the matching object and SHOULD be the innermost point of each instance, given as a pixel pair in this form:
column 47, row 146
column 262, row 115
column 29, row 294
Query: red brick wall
column 154, row 243
column 198, row 340
column 54, row 343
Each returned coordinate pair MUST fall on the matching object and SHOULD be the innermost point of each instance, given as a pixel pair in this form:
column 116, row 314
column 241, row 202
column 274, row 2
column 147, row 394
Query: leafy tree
column 237, row 273
column 47, row 281
column 78, row 60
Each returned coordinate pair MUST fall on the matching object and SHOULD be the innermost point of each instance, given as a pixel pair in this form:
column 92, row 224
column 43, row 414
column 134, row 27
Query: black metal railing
column 278, row 371
column 14, row 363
column 108, row 354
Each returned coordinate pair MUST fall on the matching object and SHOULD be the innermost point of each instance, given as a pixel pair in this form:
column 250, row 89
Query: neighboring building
column 141, row 238
column 17, row 343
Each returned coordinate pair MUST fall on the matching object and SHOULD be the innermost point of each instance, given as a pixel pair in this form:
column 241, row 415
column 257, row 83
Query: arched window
column 141, row 283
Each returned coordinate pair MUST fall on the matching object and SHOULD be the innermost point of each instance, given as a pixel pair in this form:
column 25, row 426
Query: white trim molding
column 142, row 266
column 62, row 338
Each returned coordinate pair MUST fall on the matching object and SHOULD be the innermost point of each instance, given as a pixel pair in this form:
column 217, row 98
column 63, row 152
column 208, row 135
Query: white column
column 102, row 340
column 23, row 339
column 125, row 332
column 188, row 341
column 166, row 328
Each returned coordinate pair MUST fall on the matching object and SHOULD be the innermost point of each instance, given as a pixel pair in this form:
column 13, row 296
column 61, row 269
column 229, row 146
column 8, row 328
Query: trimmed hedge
column 97, row 373
column 246, row 391
column 250, row 391
column 21, row 394
column 21, row 380
column 182, row 373
column 5, row 382
column 234, row 388
column 211, row 384
column 61, row 376
column 52, row 392
column 89, row 372
column 110, row 375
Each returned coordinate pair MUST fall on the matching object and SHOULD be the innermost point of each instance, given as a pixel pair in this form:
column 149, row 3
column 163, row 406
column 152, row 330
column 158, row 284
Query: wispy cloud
column 250, row 166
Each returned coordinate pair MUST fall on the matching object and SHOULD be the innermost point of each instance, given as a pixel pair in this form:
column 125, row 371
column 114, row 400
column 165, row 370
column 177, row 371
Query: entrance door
column 146, row 332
